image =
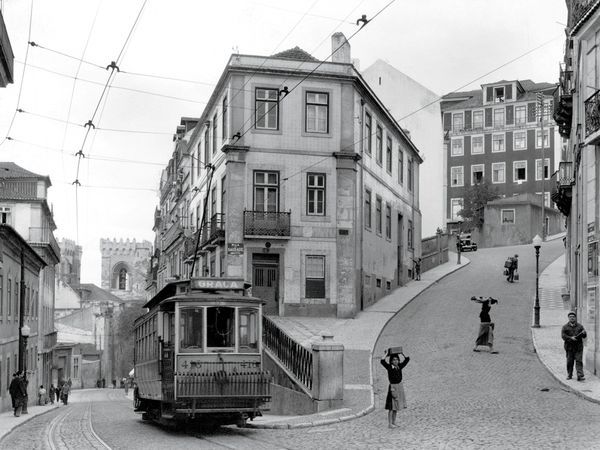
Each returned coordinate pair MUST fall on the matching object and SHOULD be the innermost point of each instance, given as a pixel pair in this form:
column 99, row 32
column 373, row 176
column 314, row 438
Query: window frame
column 368, row 209
column 224, row 118
column 538, row 162
column 503, row 135
column 316, row 189
column 457, row 128
column 369, row 132
column 494, row 120
column 502, row 216
column 317, row 107
column 379, row 144
column 388, row 221
column 388, row 152
column 478, row 112
column 515, row 168
column 538, row 138
column 473, row 167
column 315, row 279
column 265, row 186
column 478, row 136
column 400, row 166
column 459, row 201
column 523, row 133
column 521, row 108
column 503, row 165
column 378, row 215
column 462, row 146
column 462, row 176
column 268, row 103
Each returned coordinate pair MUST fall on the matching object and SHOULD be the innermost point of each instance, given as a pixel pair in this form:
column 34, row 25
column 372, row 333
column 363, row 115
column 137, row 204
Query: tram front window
column 248, row 330
column 190, row 330
column 220, row 323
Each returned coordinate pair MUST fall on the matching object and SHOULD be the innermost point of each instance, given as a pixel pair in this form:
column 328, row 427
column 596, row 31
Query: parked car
column 466, row 244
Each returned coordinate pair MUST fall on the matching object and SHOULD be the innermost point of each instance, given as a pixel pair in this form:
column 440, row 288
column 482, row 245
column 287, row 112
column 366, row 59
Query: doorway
column 400, row 249
column 265, row 281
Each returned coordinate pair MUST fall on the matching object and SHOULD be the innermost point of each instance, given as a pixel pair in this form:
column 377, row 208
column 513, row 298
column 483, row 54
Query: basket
column 516, row 276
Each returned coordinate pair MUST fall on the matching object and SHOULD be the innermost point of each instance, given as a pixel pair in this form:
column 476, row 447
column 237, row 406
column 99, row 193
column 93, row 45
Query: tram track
column 236, row 439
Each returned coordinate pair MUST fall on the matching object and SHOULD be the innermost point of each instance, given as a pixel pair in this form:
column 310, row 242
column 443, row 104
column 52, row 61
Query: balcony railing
column 267, row 223
column 216, row 229
column 592, row 114
column 296, row 358
column 43, row 236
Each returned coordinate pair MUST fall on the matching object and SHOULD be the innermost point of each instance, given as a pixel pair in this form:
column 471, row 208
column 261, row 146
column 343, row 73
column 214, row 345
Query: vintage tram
column 198, row 354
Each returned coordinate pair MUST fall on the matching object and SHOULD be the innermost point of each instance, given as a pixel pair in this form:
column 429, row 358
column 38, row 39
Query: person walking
column 64, row 393
column 57, row 392
column 513, row 268
column 42, row 396
column 51, row 393
column 573, row 334
column 485, row 336
column 395, row 397
column 417, row 263
column 18, row 393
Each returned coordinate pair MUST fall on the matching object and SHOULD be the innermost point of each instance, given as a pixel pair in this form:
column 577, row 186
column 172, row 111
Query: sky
column 171, row 59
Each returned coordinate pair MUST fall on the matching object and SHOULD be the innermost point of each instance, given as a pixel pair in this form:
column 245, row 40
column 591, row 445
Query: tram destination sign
column 217, row 283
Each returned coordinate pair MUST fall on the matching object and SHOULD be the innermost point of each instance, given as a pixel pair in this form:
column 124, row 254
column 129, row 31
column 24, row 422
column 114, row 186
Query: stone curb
column 371, row 407
column 30, row 417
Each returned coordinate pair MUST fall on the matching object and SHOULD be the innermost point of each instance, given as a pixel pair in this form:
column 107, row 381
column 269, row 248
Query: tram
column 198, row 354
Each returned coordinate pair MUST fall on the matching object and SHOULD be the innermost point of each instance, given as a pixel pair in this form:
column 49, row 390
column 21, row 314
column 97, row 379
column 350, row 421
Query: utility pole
column 540, row 99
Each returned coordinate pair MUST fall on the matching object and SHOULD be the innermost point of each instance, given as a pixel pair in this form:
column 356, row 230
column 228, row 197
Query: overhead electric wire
column 12, row 120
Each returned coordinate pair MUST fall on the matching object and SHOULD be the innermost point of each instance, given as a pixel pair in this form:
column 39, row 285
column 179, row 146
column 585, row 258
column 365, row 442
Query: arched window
column 122, row 279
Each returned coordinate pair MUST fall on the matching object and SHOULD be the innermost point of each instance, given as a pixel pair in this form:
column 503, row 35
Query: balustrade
column 592, row 114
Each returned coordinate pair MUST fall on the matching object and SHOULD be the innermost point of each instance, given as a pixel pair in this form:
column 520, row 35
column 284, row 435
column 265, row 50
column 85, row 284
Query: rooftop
column 295, row 53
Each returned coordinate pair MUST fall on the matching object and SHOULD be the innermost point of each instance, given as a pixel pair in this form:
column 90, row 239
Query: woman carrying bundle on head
column 485, row 336
column 395, row 397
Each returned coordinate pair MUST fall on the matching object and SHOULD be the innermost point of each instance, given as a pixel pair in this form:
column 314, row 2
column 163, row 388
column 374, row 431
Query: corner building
column 495, row 133
column 314, row 193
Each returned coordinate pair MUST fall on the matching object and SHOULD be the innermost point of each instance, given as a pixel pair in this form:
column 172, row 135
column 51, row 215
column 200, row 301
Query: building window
column 538, row 169
column 75, row 367
column 315, row 194
column 388, row 154
column 477, row 120
column 457, row 122
column 499, row 94
column 122, row 279
column 538, row 138
column 498, row 172
column 5, row 217
column 224, row 120
column 519, row 171
column 266, row 109
column 379, row 143
column 9, row 298
column 497, row 143
column 477, row 145
column 367, row 209
column 378, row 226
column 457, row 176
column 206, row 146
column 457, row 147
column 456, row 206
column 400, row 166
column 499, row 118
column 520, row 138
column 409, row 237
column 507, row 215
column 317, row 112
column 388, row 221
column 315, row 276
column 409, row 174
column 214, row 134
column 477, row 173
column 213, row 201
column 520, row 115
column 266, row 191
column 378, row 282
column 368, row 131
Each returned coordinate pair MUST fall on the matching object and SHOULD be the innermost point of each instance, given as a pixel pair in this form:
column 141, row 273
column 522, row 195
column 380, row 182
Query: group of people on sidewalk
column 19, row 396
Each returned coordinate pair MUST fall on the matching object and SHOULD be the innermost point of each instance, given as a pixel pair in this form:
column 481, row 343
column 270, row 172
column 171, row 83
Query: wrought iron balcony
column 565, row 174
column 213, row 232
column 592, row 114
column 267, row 223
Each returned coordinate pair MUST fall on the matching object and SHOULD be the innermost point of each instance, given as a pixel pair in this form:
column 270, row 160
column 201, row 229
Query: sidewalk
column 546, row 339
column 358, row 335
column 9, row 422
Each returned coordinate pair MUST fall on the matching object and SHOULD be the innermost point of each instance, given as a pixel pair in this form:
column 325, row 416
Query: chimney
column 341, row 47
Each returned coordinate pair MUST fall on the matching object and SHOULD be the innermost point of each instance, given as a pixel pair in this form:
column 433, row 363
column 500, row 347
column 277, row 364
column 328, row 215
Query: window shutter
column 447, row 121
column 531, row 112
column 315, row 288
column 488, row 117
column 490, row 94
column 467, row 144
column 530, row 139
column 468, row 120
column 508, row 91
column 510, row 114
column 508, row 141
column 487, row 143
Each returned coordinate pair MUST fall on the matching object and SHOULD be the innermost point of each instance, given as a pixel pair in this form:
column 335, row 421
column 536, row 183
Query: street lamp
column 25, row 331
column 537, row 243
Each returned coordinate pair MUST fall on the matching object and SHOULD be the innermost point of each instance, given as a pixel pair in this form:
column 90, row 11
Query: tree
column 475, row 198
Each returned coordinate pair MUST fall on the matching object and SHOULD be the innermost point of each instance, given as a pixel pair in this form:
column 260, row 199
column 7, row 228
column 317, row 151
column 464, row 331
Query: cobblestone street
column 456, row 398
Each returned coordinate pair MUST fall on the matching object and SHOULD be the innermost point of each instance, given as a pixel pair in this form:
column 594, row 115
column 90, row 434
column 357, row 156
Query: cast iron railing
column 296, row 358
column 267, row 223
column 592, row 113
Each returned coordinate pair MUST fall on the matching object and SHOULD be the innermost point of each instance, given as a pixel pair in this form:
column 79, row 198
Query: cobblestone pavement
column 457, row 399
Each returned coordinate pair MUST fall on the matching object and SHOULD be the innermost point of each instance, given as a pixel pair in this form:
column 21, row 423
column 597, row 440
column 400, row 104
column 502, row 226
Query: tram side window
column 220, row 322
column 191, row 330
column 248, row 331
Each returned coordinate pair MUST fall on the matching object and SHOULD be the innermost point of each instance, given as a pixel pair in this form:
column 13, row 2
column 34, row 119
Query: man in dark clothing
column 512, row 269
column 18, row 393
column 573, row 334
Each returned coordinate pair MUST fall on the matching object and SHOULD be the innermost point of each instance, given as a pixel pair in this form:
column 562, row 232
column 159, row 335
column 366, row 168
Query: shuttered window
column 315, row 276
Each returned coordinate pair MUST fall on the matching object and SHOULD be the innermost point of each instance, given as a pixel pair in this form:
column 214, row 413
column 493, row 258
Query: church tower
column 124, row 267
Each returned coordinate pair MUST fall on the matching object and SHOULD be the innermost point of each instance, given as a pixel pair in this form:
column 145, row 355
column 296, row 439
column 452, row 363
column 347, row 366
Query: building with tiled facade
column 307, row 185
column 495, row 133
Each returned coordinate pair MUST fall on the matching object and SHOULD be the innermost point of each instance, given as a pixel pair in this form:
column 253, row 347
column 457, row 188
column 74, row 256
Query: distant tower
column 124, row 267
column 70, row 262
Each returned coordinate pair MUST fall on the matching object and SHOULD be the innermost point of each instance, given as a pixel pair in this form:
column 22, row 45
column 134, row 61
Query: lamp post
column 537, row 243
column 25, row 331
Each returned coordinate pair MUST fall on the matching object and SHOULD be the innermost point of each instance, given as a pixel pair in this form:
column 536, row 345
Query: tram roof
column 210, row 288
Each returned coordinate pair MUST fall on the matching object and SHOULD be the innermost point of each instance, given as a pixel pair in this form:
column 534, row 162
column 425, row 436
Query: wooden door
column 265, row 284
